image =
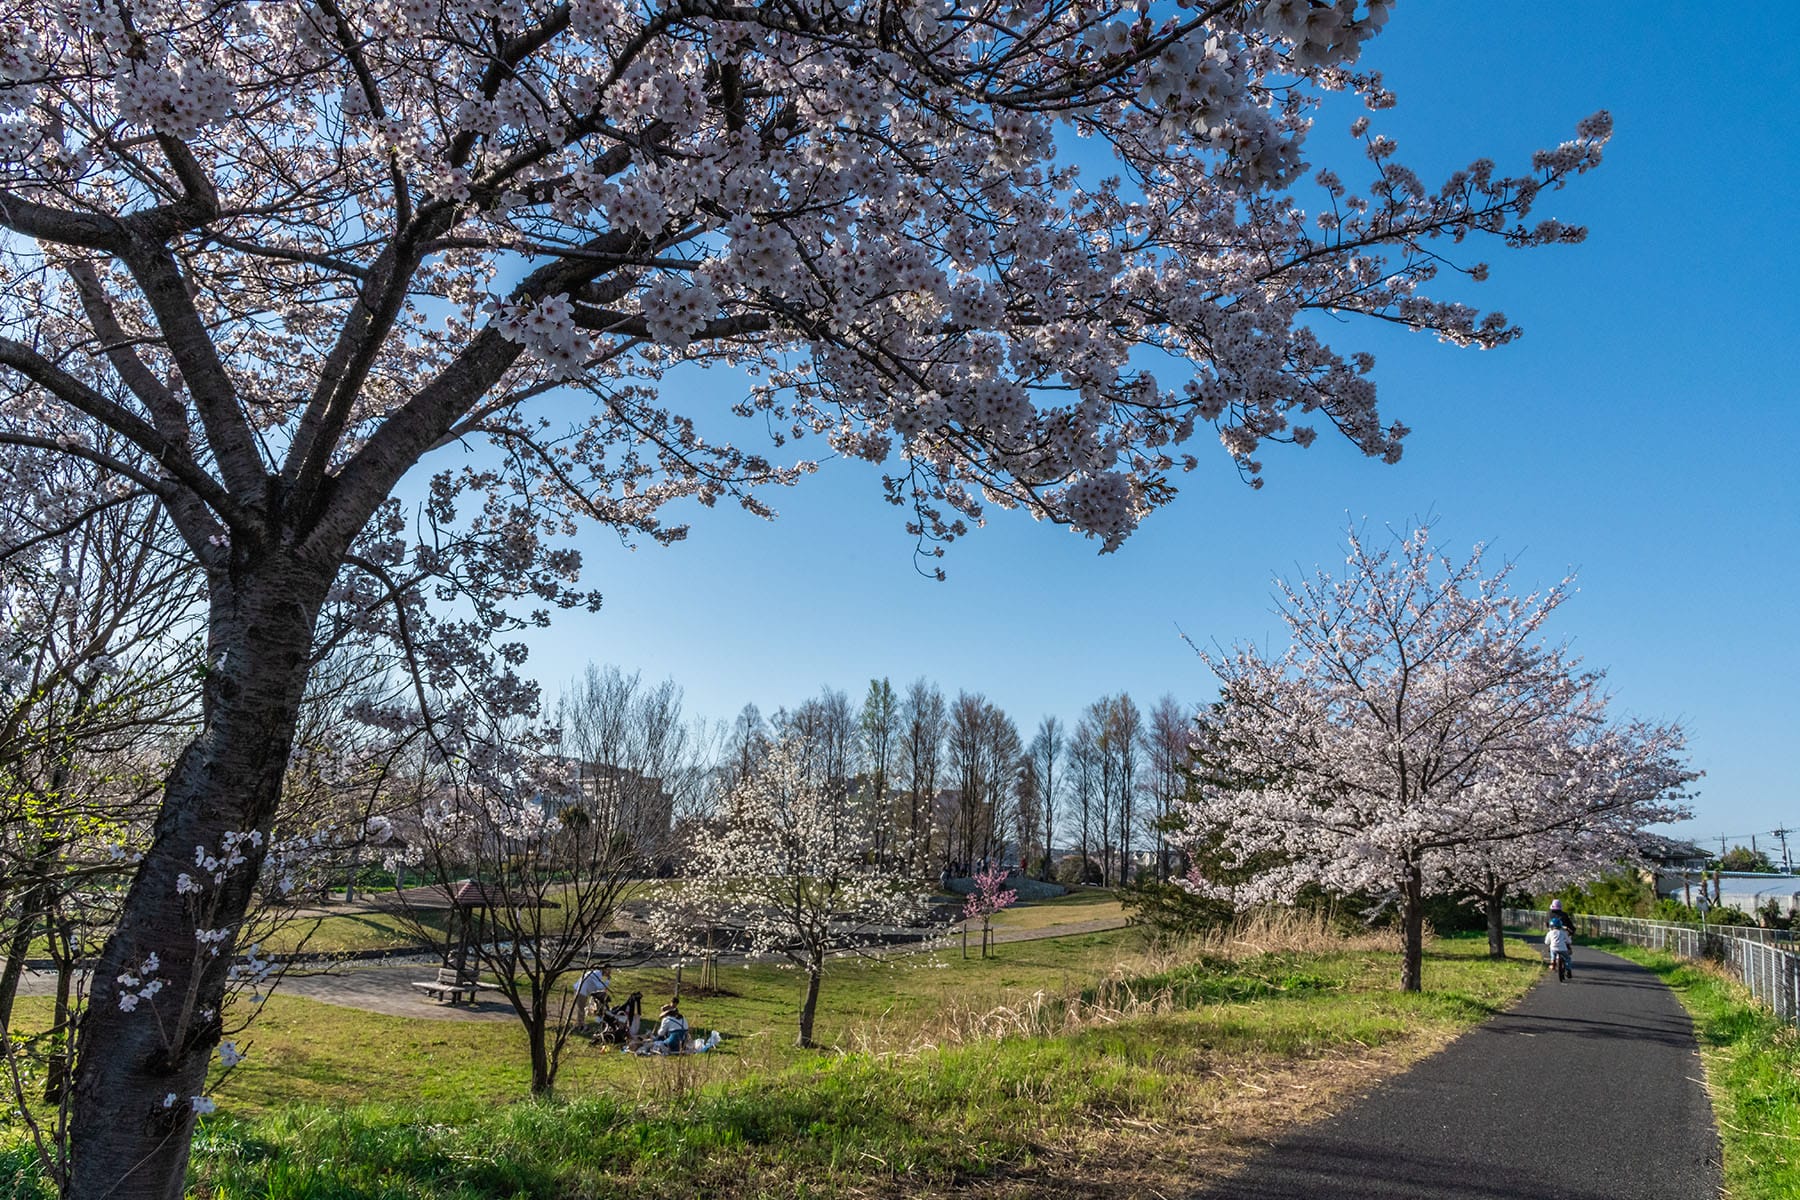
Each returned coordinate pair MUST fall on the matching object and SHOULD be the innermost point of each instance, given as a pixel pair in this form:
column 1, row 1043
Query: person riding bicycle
column 1567, row 919
column 1557, row 941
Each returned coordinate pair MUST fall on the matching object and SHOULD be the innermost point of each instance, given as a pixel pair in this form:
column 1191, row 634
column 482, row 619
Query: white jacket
column 1557, row 939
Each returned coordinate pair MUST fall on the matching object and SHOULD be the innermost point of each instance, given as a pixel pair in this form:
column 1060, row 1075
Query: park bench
column 448, row 986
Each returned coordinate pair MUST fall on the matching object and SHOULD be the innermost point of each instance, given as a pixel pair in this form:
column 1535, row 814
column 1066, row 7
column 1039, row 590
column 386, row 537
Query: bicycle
column 1560, row 960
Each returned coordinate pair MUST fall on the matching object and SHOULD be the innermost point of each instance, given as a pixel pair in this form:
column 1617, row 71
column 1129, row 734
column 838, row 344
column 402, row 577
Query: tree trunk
column 1496, row 924
column 30, row 910
column 137, row 1071
column 63, row 950
column 809, row 1006
column 45, row 862
column 543, row 1063
column 1412, row 921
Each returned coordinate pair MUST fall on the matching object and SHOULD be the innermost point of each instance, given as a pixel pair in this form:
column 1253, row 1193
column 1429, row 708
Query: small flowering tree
column 792, row 864
column 1367, row 748
column 97, row 619
column 990, row 896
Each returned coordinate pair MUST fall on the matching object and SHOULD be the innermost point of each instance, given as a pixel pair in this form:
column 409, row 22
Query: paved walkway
column 1588, row 1090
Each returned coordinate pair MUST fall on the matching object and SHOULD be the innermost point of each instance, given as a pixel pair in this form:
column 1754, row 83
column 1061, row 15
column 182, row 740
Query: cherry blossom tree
column 295, row 251
column 1366, row 750
column 791, row 863
column 990, row 896
column 1569, row 805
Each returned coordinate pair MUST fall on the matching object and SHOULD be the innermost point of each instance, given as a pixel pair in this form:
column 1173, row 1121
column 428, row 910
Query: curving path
column 1588, row 1090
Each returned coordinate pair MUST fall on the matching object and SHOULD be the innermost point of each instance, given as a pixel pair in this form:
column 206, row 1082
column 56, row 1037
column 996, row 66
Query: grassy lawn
column 1752, row 1073
column 1074, row 908
column 351, row 931
column 1077, row 1066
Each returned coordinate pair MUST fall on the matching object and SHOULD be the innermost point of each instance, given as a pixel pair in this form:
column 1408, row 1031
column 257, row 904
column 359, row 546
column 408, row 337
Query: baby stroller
column 618, row 1025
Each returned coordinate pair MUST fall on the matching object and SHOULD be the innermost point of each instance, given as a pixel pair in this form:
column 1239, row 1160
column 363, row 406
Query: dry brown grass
column 1233, row 1107
column 1287, row 931
column 1120, row 995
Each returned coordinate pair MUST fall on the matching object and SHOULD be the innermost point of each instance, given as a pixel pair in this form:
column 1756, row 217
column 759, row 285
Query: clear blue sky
column 1643, row 432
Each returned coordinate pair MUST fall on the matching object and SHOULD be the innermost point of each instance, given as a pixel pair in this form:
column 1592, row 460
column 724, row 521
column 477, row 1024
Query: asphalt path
column 1588, row 1090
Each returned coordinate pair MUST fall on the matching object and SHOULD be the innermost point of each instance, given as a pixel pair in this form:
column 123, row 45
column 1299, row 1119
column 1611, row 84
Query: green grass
column 1071, row 909
column 353, row 931
column 1752, row 1071
column 1042, row 1071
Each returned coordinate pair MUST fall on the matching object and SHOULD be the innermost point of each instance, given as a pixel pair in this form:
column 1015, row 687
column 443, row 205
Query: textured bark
column 1412, row 921
column 30, row 910
column 1496, row 925
column 63, row 949
column 809, row 1007
column 543, row 1063
column 125, row 1144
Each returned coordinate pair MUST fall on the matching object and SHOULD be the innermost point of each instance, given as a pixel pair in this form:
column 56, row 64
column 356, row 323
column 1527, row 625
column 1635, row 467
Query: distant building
column 635, row 805
column 1752, row 892
column 1675, row 867
column 1678, row 871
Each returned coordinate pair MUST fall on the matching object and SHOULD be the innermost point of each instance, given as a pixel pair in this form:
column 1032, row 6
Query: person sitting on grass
column 672, row 1030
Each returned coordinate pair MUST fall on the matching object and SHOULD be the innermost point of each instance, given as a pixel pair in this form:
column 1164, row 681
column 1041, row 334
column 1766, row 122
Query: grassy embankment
column 1082, row 1065
column 1752, row 1071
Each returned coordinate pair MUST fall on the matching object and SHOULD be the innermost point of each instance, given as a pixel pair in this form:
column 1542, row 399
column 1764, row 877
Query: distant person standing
column 592, row 993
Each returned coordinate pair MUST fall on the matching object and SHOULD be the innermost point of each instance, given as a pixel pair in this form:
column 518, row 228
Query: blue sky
column 1644, row 432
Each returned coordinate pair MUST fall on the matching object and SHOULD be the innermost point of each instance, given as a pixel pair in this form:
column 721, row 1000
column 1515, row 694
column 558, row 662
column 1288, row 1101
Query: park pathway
column 1588, row 1090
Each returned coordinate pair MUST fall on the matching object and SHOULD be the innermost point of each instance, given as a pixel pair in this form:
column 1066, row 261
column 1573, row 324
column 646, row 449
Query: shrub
column 1171, row 908
column 1074, row 870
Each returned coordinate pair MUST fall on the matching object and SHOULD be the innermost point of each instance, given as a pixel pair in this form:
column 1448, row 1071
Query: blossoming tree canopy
column 339, row 234
column 1360, row 753
column 790, row 863
column 1568, row 802
column 263, row 259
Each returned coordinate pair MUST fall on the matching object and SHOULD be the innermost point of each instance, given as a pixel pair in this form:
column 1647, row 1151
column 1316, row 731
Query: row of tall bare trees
column 959, row 784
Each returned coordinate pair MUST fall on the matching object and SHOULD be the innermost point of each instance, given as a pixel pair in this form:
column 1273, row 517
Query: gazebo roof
column 469, row 894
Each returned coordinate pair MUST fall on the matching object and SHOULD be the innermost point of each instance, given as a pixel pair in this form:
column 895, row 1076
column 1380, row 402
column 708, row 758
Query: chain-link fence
column 1764, row 958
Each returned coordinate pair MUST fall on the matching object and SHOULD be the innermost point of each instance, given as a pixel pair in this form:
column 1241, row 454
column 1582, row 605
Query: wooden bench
column 447, row 987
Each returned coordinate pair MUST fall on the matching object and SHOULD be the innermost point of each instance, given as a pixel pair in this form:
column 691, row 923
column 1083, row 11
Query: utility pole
column 1787, row 863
